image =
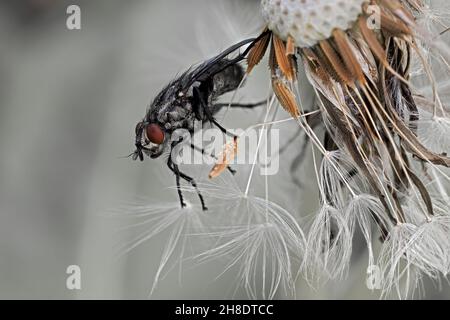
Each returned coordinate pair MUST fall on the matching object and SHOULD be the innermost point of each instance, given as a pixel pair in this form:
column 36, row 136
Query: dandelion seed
column 432, row 247
column 162, row 219
column 395, row 261
column 336, row 174
column 366, row 210
column 329, row 245
column 434, row 132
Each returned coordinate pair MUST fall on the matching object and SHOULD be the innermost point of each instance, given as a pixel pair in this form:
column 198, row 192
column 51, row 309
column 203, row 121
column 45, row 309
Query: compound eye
column 154, row 133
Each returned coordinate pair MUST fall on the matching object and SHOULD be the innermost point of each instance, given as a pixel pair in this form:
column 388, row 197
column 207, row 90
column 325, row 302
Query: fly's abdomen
column 227, row 80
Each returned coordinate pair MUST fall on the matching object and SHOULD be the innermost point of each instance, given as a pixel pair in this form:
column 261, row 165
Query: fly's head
column 151, row 140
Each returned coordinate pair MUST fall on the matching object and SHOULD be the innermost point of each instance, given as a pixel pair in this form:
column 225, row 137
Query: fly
column 189, row 99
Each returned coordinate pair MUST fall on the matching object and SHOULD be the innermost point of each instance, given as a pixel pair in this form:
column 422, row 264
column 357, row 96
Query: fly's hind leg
column 218, row 106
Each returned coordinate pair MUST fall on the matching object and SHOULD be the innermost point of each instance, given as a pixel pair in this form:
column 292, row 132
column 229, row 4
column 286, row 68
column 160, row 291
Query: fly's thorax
column 173, row 108
column 176, row 116
column 310, row 21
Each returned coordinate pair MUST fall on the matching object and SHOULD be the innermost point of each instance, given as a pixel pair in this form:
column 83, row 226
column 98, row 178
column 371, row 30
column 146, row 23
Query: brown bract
column 258, row 51
column 286, row 98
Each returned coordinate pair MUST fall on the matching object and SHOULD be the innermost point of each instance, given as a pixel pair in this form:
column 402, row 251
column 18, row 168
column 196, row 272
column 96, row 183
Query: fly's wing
column 215, row 65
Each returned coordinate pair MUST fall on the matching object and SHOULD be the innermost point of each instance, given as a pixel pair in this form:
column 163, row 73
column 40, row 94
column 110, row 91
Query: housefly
column 189, row 99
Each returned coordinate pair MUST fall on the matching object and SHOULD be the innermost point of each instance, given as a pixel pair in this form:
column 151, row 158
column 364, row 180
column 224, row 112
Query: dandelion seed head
column 309, row 21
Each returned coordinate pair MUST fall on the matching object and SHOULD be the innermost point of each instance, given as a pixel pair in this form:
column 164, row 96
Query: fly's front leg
column 192, row 182
column 174, row 169
column 178, row 174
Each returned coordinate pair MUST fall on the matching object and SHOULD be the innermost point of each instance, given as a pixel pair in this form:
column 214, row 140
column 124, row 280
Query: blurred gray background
column 69, row 101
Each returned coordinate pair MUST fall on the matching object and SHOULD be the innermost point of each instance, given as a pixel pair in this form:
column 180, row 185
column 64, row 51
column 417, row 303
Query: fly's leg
column 231, row 170
column 219, row 106
column 192, row 182
column 178, row 174
column 175, row 170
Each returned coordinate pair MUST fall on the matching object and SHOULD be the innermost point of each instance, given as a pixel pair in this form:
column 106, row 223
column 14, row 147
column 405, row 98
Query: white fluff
column 329, row 246
column 156, row 219
column 364, row 210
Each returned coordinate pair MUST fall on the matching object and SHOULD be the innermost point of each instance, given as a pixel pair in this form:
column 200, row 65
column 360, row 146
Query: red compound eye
column 154, row 133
